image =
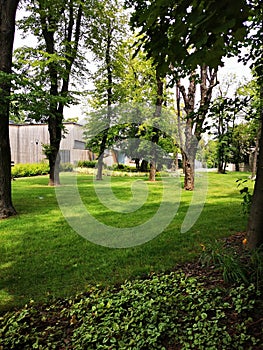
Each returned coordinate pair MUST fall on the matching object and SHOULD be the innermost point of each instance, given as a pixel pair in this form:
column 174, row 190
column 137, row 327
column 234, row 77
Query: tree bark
column 156, row 131
column 255, row 155
column 56, row 112
column 101, row 153
column 255, row 222
column 194, row 124
column 187, row 151
column 108, row 62
column 7, row 30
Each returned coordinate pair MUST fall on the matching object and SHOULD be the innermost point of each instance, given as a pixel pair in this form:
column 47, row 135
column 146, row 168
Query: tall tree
column 225, row 114
column 195, row 117
column 255, row 222
column 7, row 30
column 155, row 130
column 204, row 32
column 57, row 25
column 108, row 32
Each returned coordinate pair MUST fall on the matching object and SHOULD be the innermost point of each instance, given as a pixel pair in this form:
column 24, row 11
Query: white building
column 26, row 142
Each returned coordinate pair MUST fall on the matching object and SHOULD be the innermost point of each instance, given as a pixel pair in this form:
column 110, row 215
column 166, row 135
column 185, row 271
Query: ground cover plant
column 162, row 311
column 41, row 255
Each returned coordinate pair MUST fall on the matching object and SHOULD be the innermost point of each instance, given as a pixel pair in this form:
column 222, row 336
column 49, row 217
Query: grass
column 42, row 257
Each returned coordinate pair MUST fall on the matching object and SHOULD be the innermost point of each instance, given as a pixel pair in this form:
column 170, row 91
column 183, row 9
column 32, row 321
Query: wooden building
column 26, row 142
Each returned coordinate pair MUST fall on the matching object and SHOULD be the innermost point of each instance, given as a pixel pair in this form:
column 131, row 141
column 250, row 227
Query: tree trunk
column 255, row 222
column 7, row 31
column 99, row 169
column 137, row 163
column 100, row 159
column 189, row 162
column 152, row 173
column 194, row 124
column 156, row 131
column 55, row 133
column 175, row 165
column 255, row 155
column 189, row 178
column 56, row 110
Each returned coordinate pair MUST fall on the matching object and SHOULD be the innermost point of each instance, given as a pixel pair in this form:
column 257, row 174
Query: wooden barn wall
column 26, row 143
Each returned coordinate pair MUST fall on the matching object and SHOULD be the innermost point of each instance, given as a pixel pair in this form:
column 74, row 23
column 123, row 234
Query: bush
column 123, row 167
column 87, row 163
column 25, row 170
column 66, row 167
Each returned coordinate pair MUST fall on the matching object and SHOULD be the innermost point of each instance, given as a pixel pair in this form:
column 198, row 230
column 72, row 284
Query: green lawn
column 42, row 257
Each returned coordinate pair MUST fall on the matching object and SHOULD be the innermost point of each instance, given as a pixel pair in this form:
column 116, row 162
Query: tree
column 107, row 35
column 57, row 24
column 7, row 30
column 252, row 89
column 204, row 32
column 224, row 113
column 209, row 154
column 195, row 117
column 185, row 34
column 255, row 222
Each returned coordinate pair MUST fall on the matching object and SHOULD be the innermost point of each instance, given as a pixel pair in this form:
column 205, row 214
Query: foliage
column 25, row 170
column 31, row 169
column 246, row 195
column 209, row 153
column 66, row 167
column 234, row 139
column 176, row 34
column 57, row 52
column 123, row 167
column 87, row 163
column 236, row 266
column 151, row 313
column 48, row 67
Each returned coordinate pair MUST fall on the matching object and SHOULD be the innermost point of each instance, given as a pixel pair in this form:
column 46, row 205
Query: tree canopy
column 184, row 34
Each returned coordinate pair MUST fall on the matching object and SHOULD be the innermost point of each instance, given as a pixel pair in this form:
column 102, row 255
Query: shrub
column 66, row 167
column 25, row 170
column 246, row 195
column 87, row 163
column 123, row 167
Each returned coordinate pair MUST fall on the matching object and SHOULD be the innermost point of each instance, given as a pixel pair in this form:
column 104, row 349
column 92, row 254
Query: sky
column 231, row 67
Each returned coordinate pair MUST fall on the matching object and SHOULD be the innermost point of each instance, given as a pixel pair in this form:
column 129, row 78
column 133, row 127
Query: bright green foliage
column 25, row 170
column 243, row 141
column 153, row 313
column 245, row 191
column 234, row 139
column 137, row 82
column 209, row 153
column 50, row 62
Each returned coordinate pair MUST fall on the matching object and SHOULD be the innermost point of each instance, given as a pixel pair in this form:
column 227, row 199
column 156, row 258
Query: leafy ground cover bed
column 191, row 307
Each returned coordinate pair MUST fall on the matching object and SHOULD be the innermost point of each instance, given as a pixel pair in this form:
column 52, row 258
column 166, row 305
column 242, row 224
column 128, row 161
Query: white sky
column 232, row 67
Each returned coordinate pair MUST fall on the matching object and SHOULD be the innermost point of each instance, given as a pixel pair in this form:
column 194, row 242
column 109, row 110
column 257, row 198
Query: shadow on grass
column 42, row 257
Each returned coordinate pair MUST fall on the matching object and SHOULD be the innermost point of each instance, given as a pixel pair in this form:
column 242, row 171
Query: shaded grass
column 41, row 256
